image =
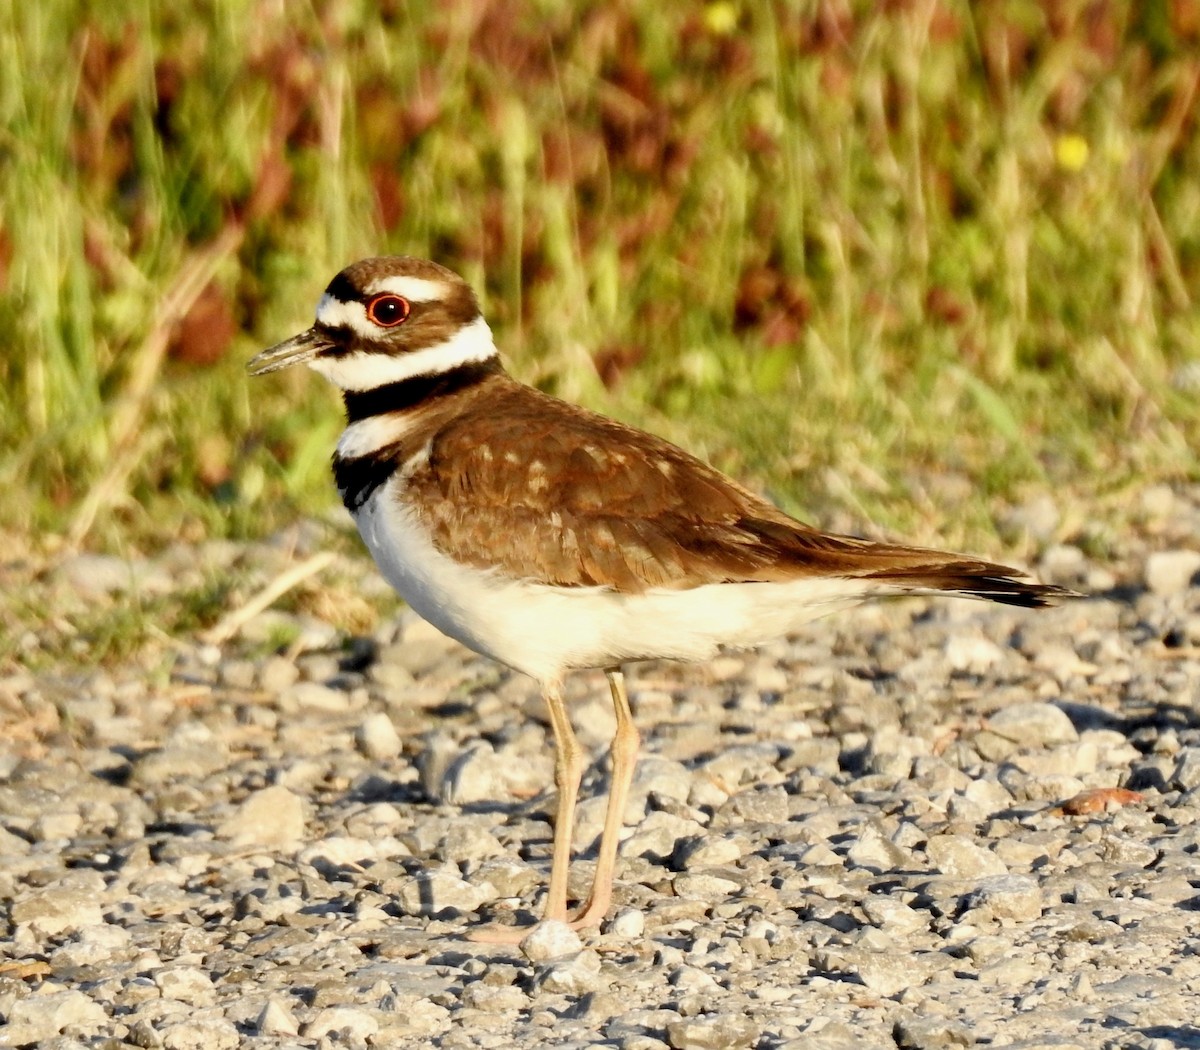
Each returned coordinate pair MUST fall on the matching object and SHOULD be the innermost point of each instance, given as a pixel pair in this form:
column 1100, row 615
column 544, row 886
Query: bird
column 553, row 539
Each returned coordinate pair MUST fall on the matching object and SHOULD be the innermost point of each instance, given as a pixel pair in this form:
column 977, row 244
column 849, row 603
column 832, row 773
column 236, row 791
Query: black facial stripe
column 419, row 390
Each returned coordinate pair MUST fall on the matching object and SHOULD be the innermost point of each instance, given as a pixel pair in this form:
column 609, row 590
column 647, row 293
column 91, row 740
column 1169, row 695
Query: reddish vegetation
column 620, row 133
column 1097, row 800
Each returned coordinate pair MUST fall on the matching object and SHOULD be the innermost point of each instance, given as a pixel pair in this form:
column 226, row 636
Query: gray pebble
column 1014, row 897
column 1170, row 572
column 276, row 1018
column 716, row 1033
column 574, row 975
column 1032, row 725
column 271, row 817
column 960, row 856
column 550, row 939
column 343, row 1023
column 377, row 738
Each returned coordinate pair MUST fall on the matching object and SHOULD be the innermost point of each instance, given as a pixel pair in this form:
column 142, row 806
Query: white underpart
column 359, row 370
column 414, row 289
column 373, row 433
column 546, row 631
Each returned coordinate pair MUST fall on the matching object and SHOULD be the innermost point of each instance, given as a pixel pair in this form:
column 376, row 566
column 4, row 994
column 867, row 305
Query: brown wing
column 551, row 492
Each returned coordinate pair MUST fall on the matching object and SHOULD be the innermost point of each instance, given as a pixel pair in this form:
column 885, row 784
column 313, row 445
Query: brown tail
column 971, row 579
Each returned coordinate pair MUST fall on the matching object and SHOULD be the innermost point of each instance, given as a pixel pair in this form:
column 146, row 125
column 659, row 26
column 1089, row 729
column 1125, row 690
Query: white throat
column 361, row 370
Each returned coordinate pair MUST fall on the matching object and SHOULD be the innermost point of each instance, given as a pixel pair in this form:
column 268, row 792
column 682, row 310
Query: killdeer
column 552, row 539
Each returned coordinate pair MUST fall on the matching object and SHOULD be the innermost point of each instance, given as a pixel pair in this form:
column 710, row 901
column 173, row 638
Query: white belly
column 545, row 631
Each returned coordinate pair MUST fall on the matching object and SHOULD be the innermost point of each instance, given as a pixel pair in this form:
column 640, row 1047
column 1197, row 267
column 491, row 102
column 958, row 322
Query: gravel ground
column 923, row 824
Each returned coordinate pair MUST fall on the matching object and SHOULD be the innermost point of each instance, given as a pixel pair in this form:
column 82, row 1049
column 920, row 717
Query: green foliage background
column 899, row 262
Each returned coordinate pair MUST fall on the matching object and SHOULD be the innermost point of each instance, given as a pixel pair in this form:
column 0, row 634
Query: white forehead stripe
column 337, row 314
column 414, row 289
column 361, row 370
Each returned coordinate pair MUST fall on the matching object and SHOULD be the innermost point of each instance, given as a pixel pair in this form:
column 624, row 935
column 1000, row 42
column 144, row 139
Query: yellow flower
column 1071, row 152
column 721, row 18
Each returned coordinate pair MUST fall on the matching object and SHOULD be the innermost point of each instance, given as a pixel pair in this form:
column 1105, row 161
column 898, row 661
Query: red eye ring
column 387, row 309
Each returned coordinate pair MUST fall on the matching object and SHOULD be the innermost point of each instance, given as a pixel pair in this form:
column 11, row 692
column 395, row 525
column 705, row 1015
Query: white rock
column 435, row 891
column 346, row 851
column 276, row 1019
column 377, row 738
column 186, row 984
column 550, row 939
column 893, row 916
column 1015, row 897
column 47, row 1015
column 271, row 817
column 201, row 1033
column 972, row 652
column 628, row 922
column 958, row 855
column 1170, row 572
column 728, row 1032
column 574, row 975
column 71, row 903
column 1032, row 725
column 658, row 835
column 313, row 696
column 342, row 1022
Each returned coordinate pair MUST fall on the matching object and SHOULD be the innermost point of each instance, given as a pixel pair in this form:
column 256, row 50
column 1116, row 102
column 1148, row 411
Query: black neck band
column 407, row 393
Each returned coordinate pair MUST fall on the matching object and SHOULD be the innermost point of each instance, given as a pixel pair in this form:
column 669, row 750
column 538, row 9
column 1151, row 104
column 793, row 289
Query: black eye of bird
column 387, row 309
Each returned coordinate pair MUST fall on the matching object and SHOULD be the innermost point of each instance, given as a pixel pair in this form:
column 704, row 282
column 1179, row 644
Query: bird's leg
column 568, row 770
column 624, row 753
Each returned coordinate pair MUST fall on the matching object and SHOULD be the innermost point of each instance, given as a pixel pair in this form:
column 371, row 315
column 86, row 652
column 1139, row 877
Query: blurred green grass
column 898, row 263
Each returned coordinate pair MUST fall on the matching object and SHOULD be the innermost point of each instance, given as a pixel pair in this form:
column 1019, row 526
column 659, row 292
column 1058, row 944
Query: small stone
column 477, row 774
column 886, row 973
column 492, row 999
column 873, row 851
column 51, row 827
column 550, row 939
column 1170, row 572
column 276, row 1019
column 1032, row 725
column 1122, row 849
column 435, row 891
column 575, row 975
column 727, row 1032
column 972, row 653
column 709, row 851
column 276, row 674
column 271, row 817
column 72, row 903
column 628, row 922
column 108, row 574
column 200, row 1033
column 186, row 984
column 930, row 1033
column 1015, row 897
column 47, row 1015
column 342, row 1023
column 377, row 738
column 1187, row 769
column 660, row 835
column 959, row 856
column 893, row 916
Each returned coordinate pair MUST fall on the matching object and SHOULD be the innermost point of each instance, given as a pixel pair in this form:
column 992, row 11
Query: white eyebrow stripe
column 337, row 314
column 363, row 370
column 414, row 289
